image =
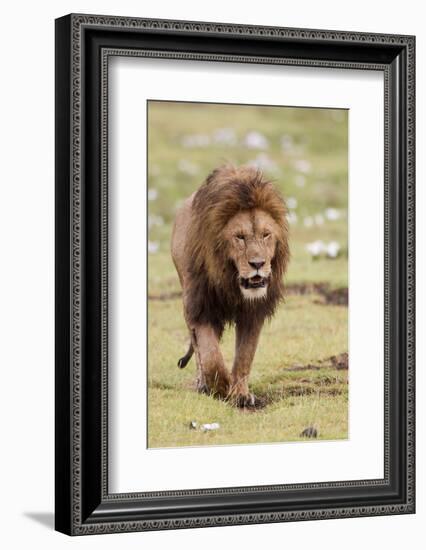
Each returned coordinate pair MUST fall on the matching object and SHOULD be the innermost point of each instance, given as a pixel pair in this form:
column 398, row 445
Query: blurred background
column 305, row 152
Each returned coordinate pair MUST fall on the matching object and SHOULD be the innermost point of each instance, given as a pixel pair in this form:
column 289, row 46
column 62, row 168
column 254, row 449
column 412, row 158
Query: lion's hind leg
column 212, row 375
column 183, row 361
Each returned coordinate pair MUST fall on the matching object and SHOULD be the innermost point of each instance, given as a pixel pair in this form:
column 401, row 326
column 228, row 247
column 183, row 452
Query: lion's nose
column 257, row 264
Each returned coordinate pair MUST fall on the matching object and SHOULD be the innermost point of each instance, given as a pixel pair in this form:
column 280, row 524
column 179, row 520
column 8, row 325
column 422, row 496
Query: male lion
column 230, row 249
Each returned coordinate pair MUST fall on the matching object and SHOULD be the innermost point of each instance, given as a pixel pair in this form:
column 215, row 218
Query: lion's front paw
column 240, row 396
column 244, row 401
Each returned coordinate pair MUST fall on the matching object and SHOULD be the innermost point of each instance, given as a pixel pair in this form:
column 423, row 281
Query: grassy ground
column 305, row 152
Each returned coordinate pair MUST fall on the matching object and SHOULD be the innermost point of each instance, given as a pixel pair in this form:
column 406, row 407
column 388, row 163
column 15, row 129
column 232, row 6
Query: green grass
column 303, row 332
column 279, row 423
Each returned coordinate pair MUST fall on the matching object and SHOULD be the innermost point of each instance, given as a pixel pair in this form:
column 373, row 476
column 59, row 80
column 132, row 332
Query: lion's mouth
column 254, row 282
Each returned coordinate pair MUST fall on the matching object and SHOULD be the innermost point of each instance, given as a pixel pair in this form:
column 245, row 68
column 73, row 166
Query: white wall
column 26, row 289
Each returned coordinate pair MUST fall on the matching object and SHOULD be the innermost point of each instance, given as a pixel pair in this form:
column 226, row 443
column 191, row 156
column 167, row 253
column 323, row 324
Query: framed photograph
column 234, row 274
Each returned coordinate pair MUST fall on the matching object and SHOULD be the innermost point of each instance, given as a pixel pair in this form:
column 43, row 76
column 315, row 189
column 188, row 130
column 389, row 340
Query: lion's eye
column 266, row 235
column 240, row 237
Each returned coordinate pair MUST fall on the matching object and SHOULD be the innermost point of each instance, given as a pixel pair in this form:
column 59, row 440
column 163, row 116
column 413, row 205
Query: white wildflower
column 333, row 249
column 152, row 194
column 263, row 162
column 153, row 247
column 302, row 165
column 225, row 136
column 195, row 140
column 255, row 140
column 292, row 218
column 292, row 203
column 188, row 167
column 315, row 248
column 332, row 214
column 154, row 220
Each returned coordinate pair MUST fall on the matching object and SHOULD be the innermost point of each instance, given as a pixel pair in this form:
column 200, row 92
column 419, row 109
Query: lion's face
column 251, row 237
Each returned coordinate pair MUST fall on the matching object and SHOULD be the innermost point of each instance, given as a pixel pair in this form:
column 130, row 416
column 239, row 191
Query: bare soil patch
column 328, row 296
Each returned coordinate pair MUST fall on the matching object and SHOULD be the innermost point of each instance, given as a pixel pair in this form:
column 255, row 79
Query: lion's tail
column 183, row 361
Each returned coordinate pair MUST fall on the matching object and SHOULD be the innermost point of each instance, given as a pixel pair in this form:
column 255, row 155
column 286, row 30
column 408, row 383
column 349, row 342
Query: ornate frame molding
column 72, row 47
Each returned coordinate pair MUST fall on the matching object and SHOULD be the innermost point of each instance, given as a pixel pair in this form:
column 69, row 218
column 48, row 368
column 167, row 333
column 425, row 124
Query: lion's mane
column 214, row 296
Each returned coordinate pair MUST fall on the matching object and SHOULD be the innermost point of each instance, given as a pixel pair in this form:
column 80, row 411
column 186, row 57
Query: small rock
column 309, row 432
column 210, row 427
column 193, row 425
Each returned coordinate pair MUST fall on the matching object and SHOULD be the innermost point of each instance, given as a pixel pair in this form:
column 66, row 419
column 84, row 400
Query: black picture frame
column 83, row 45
